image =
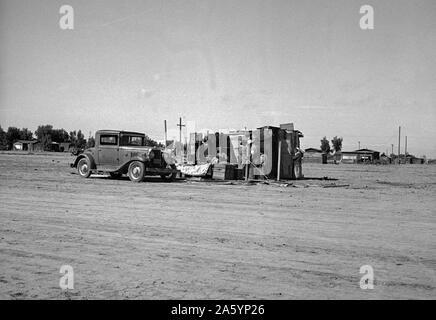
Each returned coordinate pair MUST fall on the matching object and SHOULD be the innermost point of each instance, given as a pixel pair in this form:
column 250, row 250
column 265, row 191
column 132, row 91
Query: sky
column 224, row 65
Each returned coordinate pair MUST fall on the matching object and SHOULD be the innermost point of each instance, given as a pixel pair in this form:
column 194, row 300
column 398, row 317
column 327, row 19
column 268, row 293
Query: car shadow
column 148, row 179
column 320, row 178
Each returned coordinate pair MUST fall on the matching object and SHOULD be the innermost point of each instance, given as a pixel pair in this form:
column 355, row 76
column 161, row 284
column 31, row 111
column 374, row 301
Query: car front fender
column 87, row 156
column 125, row 166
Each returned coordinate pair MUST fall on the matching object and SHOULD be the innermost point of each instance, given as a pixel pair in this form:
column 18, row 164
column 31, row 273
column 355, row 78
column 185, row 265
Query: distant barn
column 36, row 146
column 24, row 145
column 360, row 156
column 313, row 155
column 411, row 159
column 65, row 147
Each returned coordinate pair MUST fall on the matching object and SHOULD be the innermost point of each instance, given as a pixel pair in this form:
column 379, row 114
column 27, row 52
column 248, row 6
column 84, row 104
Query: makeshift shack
column 265, row 153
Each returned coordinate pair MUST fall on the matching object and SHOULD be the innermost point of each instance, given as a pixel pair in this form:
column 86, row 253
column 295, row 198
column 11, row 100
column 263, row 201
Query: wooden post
column 180, row 125
column 166, row 137
column 405, row 148
column 399, row 143
column 247, row 165
column 279, row 160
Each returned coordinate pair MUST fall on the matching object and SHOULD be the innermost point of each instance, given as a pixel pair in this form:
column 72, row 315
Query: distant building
column 54, row 147
column 334, row 157
column 24, row 145
column 407, row 159
column 313, row 155
column 411, row 159
column 384, row 159
column 38, row 147
column 34, row 146
column 65, row 147
column 416, row 160
column 360, row 156
column 313, row 151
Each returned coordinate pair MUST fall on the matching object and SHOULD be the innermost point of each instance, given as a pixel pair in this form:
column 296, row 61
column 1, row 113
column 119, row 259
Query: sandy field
column 216, row 240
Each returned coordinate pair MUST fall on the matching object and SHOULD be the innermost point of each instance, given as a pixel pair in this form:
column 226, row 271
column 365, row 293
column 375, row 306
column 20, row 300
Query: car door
column 108, row 151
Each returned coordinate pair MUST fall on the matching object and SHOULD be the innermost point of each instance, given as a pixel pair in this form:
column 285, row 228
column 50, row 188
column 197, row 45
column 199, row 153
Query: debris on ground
column 335, row 185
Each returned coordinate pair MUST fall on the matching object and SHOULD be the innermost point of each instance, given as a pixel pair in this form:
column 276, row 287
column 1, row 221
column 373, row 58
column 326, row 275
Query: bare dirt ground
column 189, row 240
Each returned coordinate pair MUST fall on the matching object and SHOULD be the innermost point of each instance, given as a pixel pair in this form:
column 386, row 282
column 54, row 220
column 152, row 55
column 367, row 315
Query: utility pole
column 180, row 125
column 399, row 142
column 359, row 146
column 392, row 145
column 166, row 136
column 405, row 148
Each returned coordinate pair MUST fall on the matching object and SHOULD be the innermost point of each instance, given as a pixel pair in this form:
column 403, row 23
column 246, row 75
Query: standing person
column 298, row 168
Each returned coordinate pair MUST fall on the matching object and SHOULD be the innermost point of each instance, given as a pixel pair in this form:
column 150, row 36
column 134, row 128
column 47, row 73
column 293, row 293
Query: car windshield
column 133, row 141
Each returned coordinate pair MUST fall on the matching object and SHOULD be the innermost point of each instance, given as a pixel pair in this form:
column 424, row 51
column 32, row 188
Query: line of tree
column 336, row 144
column 13, row 134
column 149, row 142
column 46, row 134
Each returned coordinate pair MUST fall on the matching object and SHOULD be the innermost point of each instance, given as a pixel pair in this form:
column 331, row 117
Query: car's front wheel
column 171, row 176
column 84, row 168
column 136, row 171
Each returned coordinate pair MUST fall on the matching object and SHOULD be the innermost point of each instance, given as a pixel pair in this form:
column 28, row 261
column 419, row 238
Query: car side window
column 108, row 140
column 136, row 141
column 132, row 141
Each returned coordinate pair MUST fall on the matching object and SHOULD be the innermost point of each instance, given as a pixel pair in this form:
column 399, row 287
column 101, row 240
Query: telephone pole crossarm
column 180, row 125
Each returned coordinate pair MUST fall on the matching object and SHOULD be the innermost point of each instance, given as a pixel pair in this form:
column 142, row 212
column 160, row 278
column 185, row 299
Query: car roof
column 120, row 132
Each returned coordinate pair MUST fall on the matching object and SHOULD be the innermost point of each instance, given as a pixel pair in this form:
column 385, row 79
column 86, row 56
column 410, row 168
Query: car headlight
column 151, row 155
column 168, row 157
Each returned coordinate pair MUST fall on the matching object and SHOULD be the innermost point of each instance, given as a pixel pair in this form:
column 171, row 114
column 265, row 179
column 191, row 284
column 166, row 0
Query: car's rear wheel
column 136, row 171
column 171, row 176
column 84, row 168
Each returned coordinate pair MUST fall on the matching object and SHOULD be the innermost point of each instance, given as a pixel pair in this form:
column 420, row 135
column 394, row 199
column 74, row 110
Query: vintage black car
column 122, row 152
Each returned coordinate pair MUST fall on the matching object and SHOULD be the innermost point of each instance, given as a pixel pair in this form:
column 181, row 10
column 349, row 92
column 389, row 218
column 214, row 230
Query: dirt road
column 186, row 240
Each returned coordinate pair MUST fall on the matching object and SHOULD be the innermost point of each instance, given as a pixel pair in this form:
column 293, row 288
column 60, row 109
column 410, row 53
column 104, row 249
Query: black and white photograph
column 229, row 151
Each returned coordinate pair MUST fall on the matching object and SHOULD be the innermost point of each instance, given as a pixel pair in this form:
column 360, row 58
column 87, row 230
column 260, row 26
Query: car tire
column 169, row 177
column 136, row 171
column 84, row 168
